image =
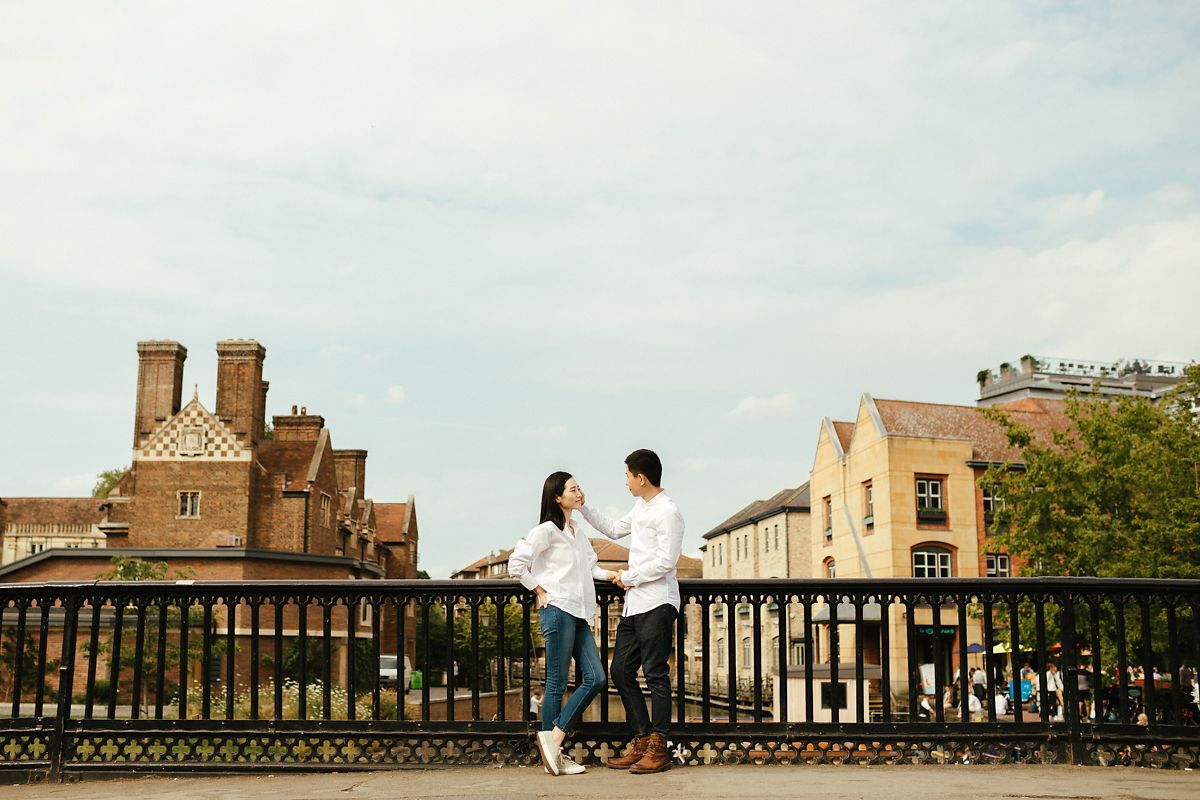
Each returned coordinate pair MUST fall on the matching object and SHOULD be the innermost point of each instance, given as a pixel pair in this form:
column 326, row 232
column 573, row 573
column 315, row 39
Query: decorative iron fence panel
column 285, row 675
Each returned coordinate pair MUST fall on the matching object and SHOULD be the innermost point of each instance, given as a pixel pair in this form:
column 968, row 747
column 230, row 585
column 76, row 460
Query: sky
column 487, row 241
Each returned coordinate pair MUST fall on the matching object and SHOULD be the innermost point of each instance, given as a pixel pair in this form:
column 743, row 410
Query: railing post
column 1070, row 673
column 66, row 681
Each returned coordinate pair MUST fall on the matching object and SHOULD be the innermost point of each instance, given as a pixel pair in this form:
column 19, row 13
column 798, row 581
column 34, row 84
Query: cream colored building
column 895, row 495
column 766, row 539
column 32, row 525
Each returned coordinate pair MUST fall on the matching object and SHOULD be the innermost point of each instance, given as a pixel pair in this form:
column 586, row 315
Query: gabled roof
column 392, row 522
column 293, row 459
column 844, row 431
column 53, row 510
column 193, row 433
column 966, row 423
column 785, row 500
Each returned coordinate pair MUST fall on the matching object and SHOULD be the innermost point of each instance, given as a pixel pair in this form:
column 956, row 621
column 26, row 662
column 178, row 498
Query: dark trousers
column 644, row 641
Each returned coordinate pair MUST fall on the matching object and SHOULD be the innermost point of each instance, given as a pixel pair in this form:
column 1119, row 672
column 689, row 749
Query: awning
column 845, row 612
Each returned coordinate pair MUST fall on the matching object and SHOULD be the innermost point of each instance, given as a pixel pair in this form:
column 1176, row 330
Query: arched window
column 720, row 652
column 932, row 561
column 830, row 568
column 747, row 652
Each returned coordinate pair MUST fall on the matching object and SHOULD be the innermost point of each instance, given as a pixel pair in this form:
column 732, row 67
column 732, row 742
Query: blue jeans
column 568, row 637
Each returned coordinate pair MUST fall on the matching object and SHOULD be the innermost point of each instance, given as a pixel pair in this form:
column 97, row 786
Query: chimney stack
column 160, row 385
column 351, row 467
column 241, row 395
column 300, row 427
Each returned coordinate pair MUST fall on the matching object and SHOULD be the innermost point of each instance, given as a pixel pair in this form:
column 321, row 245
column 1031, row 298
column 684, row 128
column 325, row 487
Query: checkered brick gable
column 193, row 434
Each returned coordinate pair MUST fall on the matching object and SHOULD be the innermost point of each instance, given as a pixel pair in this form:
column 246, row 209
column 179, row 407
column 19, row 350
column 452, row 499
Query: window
column 364, row 613
column 827, row 517
column 830, row 568
column 868, row 505
column 189, row 505
column 992, row 502
column 721, row 552
column 738, row 549
column 798, row 646
column 766, row 540
column 325, row 506
column 931, row 507
column 997, row 565
column 747, row 652
column 931, row 562
column 36, row 547
column 720, row 652
column 776, row 538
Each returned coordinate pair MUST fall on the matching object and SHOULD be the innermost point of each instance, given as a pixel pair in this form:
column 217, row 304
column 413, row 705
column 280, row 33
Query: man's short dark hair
column 646, row 464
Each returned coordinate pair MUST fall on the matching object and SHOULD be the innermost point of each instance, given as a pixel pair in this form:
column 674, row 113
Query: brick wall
column 153, row 513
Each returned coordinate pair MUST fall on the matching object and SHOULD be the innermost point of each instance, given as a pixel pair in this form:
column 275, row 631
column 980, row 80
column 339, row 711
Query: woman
column 558, row 564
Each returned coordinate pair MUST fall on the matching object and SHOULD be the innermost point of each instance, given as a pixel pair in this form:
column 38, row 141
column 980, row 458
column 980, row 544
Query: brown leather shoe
column 637, row 749
column 657, row 759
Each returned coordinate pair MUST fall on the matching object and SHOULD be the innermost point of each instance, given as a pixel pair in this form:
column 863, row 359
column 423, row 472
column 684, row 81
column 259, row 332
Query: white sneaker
column 567, row 766
column 549, row 751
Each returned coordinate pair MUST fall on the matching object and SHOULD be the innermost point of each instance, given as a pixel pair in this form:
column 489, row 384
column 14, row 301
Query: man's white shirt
column 657, row 530
column 561, row 563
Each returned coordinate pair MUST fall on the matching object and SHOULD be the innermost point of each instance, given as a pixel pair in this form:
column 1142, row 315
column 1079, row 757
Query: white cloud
column 558, row 265
column 755, row 407
column 358, row 400
column 395, row 394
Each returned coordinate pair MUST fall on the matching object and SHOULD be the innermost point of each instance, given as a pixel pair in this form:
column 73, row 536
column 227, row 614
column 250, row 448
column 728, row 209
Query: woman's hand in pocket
column 543, row 598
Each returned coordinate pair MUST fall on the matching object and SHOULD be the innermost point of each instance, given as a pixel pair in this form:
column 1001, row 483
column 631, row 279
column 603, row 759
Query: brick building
column 222, row 495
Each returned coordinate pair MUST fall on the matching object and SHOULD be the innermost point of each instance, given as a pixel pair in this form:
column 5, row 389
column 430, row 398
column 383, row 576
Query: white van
column 389, row 668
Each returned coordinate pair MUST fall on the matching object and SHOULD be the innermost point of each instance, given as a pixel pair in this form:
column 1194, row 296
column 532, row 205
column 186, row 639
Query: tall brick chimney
column 351, row 467
column 298, row 426
column 240, row 392
column 160, row 385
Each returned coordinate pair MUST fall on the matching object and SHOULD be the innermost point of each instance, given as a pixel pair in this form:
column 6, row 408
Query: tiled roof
column 786, row 498
column 287, row 458
column 607, row 550
column 844, row 430
column 391, row 522
column 938, row 421
column 53, row 510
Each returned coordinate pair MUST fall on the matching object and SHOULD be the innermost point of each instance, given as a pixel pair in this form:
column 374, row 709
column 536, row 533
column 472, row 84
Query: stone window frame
column 326, row 506
column 868, row 488
column 829, row 567
column 934, row 548
column 193, row 508
column 943, row 505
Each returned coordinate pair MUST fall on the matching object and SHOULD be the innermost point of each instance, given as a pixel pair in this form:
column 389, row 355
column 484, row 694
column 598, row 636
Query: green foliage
column 29, row 673
column 1117, row 494
column 514, row 643
column 106, row 480
column 316, row 659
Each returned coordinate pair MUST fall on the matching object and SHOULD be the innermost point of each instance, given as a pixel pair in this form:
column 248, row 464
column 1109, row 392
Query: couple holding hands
column 558, row 564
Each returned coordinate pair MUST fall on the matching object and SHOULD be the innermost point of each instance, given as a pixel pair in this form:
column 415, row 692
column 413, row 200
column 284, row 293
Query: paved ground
column 742, row 782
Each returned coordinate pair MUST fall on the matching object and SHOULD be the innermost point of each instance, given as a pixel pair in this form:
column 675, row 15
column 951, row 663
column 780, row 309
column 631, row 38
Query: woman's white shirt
column 561, row 562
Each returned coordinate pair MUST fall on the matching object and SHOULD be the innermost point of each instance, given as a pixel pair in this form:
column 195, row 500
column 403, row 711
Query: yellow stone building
column 895, row 494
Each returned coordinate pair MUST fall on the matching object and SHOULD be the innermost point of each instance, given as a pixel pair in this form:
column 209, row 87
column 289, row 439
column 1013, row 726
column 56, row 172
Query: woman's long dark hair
column 553, row 489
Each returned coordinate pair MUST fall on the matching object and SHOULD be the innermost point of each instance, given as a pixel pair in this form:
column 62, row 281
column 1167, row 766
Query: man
column 645, row 633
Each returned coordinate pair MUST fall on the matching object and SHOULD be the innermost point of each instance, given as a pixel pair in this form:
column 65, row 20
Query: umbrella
column 975, row 647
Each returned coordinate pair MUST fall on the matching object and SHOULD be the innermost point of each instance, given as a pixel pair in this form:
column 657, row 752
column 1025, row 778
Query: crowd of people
column 1092, row 698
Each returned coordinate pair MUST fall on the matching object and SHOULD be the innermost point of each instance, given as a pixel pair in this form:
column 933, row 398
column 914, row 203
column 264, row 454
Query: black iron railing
column 285, row 675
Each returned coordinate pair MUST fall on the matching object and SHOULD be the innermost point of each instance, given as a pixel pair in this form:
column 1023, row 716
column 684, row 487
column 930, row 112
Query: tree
column 1116, row 494
column 106, row 480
